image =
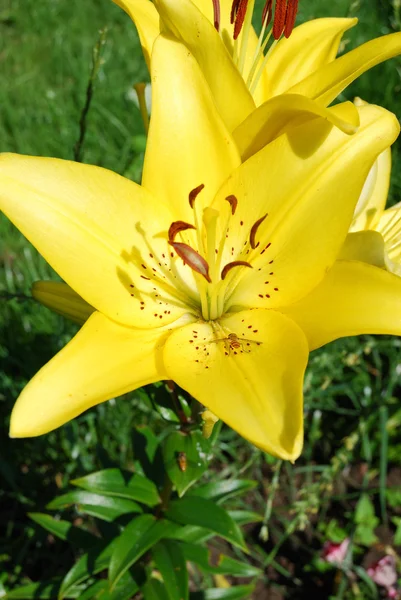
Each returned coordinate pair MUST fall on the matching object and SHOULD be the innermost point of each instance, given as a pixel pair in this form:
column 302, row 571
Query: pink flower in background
column 383, row 573
column 335, row 553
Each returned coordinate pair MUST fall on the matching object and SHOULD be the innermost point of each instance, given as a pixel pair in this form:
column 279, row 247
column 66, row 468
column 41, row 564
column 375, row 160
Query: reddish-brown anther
column 280, row 12
column 255, row 227
column 232, row 200
column 239, row 12
column 231, row 265
column 290, row 17
column 192, row 259
column 216, row 14
column 193, row 194
column 234, row 8
column 177, row 227
column 267, row 12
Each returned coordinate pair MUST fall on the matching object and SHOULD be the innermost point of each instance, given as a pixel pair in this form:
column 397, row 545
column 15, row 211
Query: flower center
column 203, row 247
column 283, row 20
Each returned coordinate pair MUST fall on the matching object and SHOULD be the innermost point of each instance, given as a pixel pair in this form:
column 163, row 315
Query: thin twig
column 96, row 63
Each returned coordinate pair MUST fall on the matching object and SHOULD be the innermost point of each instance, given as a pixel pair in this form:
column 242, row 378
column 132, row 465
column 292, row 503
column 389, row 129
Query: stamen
column 240, row 15
column 194, row 193
column 279, row 22
column 267, row 12
column 216, row 14
column 290, row 17
column 234, row 9
column 254, row 229
column 231, row 265
column 192, row 259
column 233, row 203
column 176, row 228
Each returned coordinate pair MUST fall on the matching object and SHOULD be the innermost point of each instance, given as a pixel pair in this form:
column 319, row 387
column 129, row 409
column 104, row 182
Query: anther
column 192, row 259
column 231, row 265
column 233, row 203
column 254, row 229
column 194, row 193
column 280, row 12
column 290, row 17
column 216, row 14
column 234, row 8
column 267, row 12
column 176, row 228
column 238, row 14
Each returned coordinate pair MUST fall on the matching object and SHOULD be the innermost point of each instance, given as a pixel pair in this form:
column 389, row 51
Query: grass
column 353, row 418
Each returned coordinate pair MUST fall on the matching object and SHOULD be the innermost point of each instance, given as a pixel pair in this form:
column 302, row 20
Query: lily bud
column 61, row 299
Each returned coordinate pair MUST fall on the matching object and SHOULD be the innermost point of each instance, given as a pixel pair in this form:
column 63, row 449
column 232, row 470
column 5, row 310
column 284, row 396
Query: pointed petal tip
column 288, row 452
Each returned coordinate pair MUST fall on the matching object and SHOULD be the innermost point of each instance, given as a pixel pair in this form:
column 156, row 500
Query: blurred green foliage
column 353, row 417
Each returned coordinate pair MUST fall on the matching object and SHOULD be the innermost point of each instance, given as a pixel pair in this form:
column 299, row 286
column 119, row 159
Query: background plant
column 74, row 501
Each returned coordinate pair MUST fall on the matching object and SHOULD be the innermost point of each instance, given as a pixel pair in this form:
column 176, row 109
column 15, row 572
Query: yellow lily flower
column 191, row 272
column 261, row 94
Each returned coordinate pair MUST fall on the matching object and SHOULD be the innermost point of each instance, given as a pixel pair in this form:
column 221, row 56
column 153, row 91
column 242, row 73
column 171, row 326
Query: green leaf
column 397, row 535
column 126, row 587
column 192, row 533
column 362, row 574
column 123, row 484
column 140, row 534
column 95, row 591
column 364, row 511
column 94, row 561
column 154, row 590
column 45, row 590
column 232, row 593
column 103, row 507
column 243, row 517
column 192, row 510
column 65, row 530
column 221, row 490
column 194, row 450
column 366, row 521
column 220, row 564
column 170, row 561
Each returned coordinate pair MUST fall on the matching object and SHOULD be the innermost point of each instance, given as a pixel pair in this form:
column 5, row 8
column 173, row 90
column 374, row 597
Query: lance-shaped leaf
column 221, row 490
column 186, row 458
column 123, row 484
column 220, row 564
column 104, row 507
column 65, row 530
column 138, row 537
column 233, row 593
column 170, row 561
column 192, row 510
column 94, row 561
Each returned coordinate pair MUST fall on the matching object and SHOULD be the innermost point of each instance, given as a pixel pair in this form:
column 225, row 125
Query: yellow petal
column 280, row 114
column 146, row 19
column 389, row 226
column 354, row 298
column 101, row 233
column 365, row 246
column 60, row 298
column 186, row 22
column 188, row 144
column 311, row 45
column 373, row 198
column 309, row 212
column 102, row 361
column 326, row 83
column 257, row 388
